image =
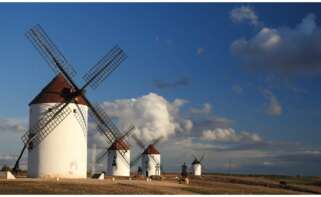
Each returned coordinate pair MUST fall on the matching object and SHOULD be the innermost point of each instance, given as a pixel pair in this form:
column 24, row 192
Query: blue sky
column 168, row 43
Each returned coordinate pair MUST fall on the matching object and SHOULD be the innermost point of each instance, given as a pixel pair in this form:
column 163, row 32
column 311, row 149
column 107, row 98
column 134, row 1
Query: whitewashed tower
column 151, row 159
column 197, row 167
column 57, row 137
column 63, row 153
column 118, row 164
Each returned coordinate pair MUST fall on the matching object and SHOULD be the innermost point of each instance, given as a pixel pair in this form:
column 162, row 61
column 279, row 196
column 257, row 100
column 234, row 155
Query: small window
column 49, row 109
column 75, row 111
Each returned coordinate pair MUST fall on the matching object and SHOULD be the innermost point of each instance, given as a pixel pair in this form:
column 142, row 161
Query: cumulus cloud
column 12, row 125
column 206, row 109
column 184, row 81
column 230, row 135
column 283, row 49
column 155, row 116
column 152, row 115
column 244, row 14
column 273, row 107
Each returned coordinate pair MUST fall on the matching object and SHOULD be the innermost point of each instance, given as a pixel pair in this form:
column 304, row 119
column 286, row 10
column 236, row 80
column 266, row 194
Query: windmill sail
column 135, row 160
column 81, row 119
column 104, row 67
column 47, row 124
column 122, row 145
column 59, row 64
column 138, row 141
column 49, row 51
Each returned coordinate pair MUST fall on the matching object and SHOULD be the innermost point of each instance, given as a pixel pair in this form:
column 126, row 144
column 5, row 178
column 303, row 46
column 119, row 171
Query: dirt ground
column 208, row 184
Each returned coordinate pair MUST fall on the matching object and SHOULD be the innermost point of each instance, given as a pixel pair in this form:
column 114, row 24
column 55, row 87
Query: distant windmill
column 116, row 164
column 197, row 165
column 57, row 145
column 151, row 159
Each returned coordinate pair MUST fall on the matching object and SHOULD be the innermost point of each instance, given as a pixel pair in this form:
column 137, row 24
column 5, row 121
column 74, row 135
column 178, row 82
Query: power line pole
column 93, row 159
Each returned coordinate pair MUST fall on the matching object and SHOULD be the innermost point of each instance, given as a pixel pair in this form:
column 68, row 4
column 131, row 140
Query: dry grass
column 209, row 184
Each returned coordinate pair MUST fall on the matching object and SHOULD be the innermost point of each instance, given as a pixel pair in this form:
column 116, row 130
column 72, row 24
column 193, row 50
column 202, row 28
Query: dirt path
column 257, row 181
column 89, row 187
column 207, row 185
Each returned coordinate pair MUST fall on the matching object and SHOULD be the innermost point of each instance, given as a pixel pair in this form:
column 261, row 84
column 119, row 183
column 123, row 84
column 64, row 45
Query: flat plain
column 207, row 184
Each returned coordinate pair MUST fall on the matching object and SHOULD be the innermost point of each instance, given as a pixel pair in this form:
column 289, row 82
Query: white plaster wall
column 122, row 166
column 149, row 164
column 197, row 169
column 63, row 153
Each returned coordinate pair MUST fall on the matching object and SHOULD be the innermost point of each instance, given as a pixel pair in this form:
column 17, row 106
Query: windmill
column 197, row 165
column 150, row 158
column 51, row 119
column 116, row 164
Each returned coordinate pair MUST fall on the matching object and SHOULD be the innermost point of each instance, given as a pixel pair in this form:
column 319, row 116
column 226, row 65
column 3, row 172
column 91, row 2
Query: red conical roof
column 52, row 93
column 119, row 144
column 151, row 150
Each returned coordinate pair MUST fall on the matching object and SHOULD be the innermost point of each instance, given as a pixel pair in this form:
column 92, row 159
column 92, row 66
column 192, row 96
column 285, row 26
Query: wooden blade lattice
column 46, row 124
column 104, row 67
column 49, row 51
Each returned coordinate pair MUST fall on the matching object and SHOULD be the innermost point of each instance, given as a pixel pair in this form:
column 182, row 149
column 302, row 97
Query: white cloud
column 273, row 107
column 206, row 109
column 12, row 125
column 152, row 115
column 229, row 135
column 264, row 41
column 308, row 24
column 244, row 14
column 285, row 49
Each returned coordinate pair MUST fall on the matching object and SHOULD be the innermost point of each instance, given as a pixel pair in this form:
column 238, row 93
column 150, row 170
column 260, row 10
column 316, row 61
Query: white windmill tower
column 57, row 137
column 118, row 164
column 151, row 158
column 197, row 166
column 63, row 153
column 151, row 161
